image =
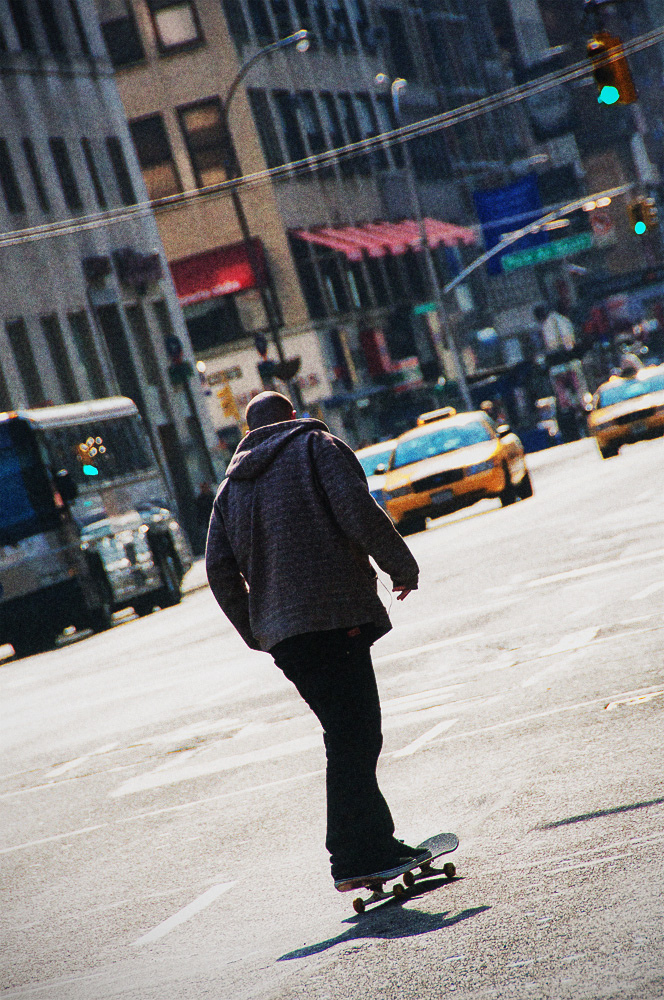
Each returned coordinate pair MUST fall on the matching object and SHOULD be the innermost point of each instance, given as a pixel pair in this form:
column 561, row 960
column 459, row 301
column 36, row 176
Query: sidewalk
column 195, row 578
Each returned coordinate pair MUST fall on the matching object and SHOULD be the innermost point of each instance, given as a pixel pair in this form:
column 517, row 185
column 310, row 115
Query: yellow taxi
column 374, row 459
column 449, row 461
column 628, row 408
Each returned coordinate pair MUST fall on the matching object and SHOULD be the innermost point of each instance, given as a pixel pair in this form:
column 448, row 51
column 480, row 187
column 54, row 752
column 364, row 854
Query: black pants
column 334, row 674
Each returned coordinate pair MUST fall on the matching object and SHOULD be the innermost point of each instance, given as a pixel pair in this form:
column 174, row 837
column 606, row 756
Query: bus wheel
column 170, row 594
column 101, row 618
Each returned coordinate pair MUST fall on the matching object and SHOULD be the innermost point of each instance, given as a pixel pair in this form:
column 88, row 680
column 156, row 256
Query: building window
column 386, row 123
column 176, row 24
column 334, row 23
column 215, row 324
column 57, row 349
column 52, row 28
column 9, row 181
column 19, row 341
column 399, row 43
column 80, row 28
column 87, row 352
column 313, row 129
column 23, row 24
column 155, row 156
column 368, row 123
column 237, row 23
column 121, row 171
column 66, row 174
column 260, row 20
column 120, row 32
column 204, row 133
column 307, row 272
column 35, row 173
column 334, row 130
column 282, row 16
column 94, row 173
column 260, row 108
column 360, row 161
column 287, row 108
column 141, row 333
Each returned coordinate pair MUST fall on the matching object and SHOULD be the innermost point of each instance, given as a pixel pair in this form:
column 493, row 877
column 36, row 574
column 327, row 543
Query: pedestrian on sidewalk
column 292, row 529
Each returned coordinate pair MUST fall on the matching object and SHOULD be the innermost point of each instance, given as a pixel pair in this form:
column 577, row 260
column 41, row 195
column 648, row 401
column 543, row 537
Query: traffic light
column 611, row 69
column 643, row 215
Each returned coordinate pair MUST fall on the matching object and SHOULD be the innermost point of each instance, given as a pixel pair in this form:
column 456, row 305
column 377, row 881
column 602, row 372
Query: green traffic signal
column 640, row 228
column 608, row 95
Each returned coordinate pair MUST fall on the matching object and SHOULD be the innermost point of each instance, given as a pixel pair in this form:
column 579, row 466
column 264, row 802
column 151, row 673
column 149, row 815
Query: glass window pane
column 155, row 156
column 202, row 127
column 176, row 26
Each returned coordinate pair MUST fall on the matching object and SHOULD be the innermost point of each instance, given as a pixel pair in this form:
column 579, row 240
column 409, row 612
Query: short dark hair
column 268, row 408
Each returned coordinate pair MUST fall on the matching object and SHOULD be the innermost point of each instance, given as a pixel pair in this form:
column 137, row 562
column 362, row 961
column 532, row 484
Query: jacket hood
column 258, row 449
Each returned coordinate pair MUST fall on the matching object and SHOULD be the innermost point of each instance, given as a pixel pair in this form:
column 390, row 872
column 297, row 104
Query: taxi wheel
column 525, row 488
column 509, row 495
column 412, row 525
column 609, row 452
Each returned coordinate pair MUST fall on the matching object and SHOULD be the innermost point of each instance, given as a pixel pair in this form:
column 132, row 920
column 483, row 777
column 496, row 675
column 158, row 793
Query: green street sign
column 424, row 307
column 549, row 251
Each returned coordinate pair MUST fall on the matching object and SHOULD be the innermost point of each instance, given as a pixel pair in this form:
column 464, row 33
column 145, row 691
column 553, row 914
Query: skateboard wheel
column 398, row 890
column 449, row 870
column 358, row 905
column 409, row 880
column 426, row 867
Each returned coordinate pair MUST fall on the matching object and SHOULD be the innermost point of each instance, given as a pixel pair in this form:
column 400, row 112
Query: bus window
column 98, row 453
column 27, row 505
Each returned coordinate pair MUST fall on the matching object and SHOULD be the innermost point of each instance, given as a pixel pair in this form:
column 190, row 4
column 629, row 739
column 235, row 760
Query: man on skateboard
column 292, row 529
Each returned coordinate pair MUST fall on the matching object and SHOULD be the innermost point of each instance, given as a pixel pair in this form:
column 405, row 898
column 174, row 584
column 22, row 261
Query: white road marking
column 647, row 591
column 587, row 864
column 428, row 646
column 573, row 574
column 56, row 836
column 530, row 718
column 186, row 913
column 71, row 764
column 573, row 640
column 639, row 700
column 425, row 738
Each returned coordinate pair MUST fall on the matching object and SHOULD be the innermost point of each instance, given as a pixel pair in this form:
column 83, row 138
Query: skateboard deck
column 442, row 843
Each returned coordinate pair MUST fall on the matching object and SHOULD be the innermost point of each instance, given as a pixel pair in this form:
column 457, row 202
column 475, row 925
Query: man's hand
column 402, row 592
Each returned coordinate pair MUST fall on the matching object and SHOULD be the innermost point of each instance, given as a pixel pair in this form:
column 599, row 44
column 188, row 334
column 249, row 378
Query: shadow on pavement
column 584, row 817
column 389, row 920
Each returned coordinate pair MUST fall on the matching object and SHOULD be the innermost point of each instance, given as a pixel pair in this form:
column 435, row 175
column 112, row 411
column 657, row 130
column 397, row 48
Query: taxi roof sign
column 432, row 415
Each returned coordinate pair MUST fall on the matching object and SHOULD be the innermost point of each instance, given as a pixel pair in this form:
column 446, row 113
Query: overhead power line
column 426, row 126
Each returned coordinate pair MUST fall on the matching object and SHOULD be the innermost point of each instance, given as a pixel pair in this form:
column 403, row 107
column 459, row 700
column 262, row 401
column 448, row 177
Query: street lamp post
column 396, row 87
column 300, row 39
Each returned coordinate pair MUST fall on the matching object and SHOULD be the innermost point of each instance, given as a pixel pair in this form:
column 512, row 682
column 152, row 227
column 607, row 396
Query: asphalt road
column 162, row 787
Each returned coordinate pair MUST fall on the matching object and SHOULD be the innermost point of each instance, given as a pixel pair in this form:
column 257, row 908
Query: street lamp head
column 380, row 79
column 301, row 39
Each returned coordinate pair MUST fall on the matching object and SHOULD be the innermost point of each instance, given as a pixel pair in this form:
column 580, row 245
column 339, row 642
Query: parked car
column 375, row 459
column 451, row 461
column 628, row 408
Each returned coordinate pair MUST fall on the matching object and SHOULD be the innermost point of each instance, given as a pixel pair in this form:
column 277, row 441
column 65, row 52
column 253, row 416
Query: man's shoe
column 405, row 851
column 388, row 867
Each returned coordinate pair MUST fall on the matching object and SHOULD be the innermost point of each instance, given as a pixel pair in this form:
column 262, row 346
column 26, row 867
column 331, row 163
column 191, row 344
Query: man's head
column 268, row 408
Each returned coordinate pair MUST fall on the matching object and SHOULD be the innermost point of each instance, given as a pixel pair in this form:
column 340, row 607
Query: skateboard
column 443, row 843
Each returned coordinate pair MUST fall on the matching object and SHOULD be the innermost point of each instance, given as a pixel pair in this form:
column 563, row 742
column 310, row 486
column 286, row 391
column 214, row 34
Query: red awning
column 380, row 238
column 218, row 272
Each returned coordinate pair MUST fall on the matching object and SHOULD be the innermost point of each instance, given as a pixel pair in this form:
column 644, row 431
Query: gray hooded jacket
column 291, row 531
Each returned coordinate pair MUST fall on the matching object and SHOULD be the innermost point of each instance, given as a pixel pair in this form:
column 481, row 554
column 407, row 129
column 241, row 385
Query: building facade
column 340, row 247
column 87, row 306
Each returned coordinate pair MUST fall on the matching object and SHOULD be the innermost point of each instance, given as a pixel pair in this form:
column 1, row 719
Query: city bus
column 87, row 524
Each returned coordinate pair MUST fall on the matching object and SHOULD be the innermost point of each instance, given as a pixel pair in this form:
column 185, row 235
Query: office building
column 87, row 306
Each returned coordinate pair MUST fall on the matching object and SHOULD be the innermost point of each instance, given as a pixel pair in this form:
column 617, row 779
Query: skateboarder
column 292, row 529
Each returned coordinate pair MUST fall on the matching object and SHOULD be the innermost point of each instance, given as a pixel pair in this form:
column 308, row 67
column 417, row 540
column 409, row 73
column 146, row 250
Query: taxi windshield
column 440, row 441
column 369, row 462
column 619, row 391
